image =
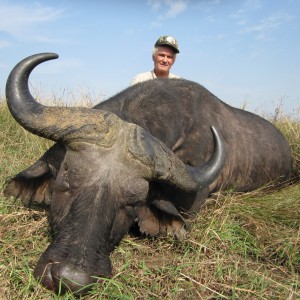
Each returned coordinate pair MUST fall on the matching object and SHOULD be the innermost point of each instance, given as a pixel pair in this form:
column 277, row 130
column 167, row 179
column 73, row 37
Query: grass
column 241, row 246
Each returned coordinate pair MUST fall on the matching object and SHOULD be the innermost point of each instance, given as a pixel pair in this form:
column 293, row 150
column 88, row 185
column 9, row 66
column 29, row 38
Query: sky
column 246, row 52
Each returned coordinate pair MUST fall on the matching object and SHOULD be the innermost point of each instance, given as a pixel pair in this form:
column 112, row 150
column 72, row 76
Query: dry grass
column 241, row 246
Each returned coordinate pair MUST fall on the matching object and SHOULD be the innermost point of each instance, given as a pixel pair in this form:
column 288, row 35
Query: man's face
column 163, row 59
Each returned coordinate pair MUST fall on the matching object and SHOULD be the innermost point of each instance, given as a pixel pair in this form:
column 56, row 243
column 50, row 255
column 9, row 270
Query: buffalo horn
column 166, row 166
column 55, row 123
column 193, row 178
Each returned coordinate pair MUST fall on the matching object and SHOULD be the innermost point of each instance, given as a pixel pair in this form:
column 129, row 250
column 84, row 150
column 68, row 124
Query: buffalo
column 147, row 158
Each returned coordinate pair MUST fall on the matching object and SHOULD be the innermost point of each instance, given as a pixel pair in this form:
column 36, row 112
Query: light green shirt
column 148, row 76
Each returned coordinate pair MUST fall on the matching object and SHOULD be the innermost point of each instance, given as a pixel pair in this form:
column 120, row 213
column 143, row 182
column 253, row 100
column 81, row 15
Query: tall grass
column 241, row 246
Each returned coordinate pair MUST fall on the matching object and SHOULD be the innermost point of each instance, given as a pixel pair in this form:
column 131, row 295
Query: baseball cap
column 167, row 41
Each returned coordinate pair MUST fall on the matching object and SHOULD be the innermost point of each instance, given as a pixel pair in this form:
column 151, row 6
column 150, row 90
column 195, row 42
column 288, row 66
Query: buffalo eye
column 62, row 180
column 52, row 170
column 134, row 191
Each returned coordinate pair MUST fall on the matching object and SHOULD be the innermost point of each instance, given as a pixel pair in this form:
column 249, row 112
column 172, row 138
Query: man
column 164, row 56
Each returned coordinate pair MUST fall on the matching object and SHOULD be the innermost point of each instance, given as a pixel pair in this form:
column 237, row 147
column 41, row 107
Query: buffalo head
column 99, row 176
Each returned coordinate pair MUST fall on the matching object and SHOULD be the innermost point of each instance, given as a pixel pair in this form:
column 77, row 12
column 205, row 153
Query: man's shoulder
column 142, row 77
column 148, row 73
column 173, row 76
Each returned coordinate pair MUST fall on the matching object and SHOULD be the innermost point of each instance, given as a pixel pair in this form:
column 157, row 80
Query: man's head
column 168, row 41
column 164, row 55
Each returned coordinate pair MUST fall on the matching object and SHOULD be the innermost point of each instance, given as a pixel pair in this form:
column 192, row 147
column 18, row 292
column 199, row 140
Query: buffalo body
column 148, row 156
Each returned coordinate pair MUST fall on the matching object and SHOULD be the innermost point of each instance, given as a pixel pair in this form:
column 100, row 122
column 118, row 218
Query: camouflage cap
column 167, row 41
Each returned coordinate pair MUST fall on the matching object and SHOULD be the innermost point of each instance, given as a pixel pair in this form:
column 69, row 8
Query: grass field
column 241, row 246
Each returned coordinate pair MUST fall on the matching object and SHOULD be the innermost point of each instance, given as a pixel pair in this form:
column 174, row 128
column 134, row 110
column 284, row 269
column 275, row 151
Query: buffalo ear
column 167, row 207
column 31, row 190
column 161, row 218
column 32, row 185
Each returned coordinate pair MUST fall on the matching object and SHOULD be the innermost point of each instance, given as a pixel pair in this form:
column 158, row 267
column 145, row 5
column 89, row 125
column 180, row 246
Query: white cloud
column 16, row 20
column 253, row 4
column 246, row 18
column 4, row 44
column 59, row 66
column 167, row 8
column 267, row 24
column 207, row 6
column 47, row 40
column 210, row 19
column 175, row 7
column 155, row 4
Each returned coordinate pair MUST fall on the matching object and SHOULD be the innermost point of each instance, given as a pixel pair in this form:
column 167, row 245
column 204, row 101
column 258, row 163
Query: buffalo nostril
column 61, row 278
column 66, row 278
column 44, row 275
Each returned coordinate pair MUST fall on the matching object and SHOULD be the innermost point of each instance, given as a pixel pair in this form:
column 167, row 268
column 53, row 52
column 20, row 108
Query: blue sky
column 243, row 51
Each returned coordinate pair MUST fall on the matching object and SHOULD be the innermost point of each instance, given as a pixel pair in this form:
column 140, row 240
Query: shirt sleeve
column 134, row 81
column 141, row 77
